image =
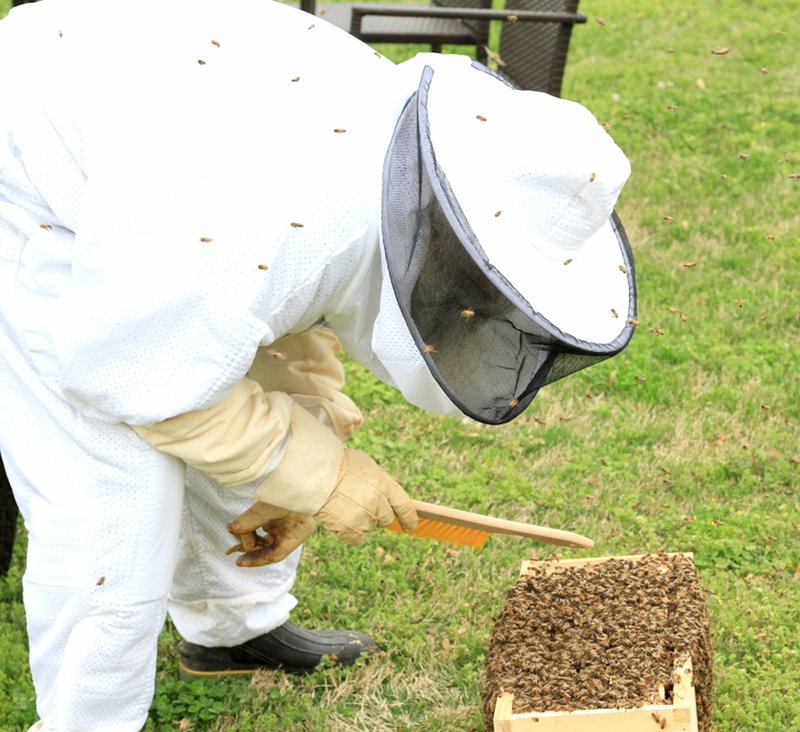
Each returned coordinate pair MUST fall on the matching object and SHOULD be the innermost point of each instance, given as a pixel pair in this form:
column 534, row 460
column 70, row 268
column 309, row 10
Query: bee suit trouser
column 113, row 544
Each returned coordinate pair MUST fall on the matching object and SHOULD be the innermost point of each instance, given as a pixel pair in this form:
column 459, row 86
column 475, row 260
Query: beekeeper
column 198, row 204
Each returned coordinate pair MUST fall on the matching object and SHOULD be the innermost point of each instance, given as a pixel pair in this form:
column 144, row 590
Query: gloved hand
column 285, row 531
column 364, row 496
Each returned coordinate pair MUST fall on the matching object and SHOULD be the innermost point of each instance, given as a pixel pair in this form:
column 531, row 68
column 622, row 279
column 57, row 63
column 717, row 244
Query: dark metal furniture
column 435, row 30
column 533, row 41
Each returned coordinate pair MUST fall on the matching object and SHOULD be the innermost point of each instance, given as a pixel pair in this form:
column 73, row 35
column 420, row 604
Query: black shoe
column 289, row 647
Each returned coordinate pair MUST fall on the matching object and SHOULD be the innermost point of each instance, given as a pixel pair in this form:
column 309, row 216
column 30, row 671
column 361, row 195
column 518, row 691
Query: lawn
column 687, row 441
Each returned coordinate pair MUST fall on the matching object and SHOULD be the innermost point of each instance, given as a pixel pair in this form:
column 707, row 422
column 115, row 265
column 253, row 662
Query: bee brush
column 473, row 529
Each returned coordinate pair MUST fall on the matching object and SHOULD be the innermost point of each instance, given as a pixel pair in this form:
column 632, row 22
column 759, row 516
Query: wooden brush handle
column 493, row 525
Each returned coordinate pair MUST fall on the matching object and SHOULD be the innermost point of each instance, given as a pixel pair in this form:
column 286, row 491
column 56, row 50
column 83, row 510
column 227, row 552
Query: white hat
column 526, row 184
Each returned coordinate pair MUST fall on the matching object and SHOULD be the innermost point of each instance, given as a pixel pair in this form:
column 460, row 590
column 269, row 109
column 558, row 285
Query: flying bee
column 480, row 117
column 295, row 225
column 468, row 314
column 277, row 355
column 46, row 227
column 592, row 177
column 429, row 349
column 623, row 269
column 201, row 62
column 513, row 403
column 215, row 43
column 263, row 266
column 567, row 261
column 339, row 130
column 614, row 313
column 206, row 239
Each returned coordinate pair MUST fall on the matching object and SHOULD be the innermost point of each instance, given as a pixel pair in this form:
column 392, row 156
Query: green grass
column 687, row 441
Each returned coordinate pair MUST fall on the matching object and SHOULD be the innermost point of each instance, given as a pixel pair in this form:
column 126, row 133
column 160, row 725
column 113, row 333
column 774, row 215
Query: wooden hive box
column 570, row 632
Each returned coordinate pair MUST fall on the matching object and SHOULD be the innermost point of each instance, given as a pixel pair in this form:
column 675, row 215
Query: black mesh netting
column 485, row 345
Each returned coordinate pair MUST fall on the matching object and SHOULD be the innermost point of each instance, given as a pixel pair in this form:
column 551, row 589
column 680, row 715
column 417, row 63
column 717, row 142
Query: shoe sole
column 188, row 673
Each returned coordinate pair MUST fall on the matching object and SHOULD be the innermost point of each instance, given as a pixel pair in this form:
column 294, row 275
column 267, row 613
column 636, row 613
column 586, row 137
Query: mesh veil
column 486, row 346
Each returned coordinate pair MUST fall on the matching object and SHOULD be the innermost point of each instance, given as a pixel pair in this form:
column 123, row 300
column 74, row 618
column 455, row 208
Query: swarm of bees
column 601, row 635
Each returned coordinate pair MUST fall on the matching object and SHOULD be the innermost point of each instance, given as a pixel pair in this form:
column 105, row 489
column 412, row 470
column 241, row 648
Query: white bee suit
column 181, row 183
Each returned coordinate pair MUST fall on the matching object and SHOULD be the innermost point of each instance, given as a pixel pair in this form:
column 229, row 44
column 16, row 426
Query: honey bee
column 567, row 261
column 614, row 313
column 101, row 580
column 744, row 156
column 312, row 26
column 497, row 213
column 659, row 331
column 623, row 269
column 467, row 314
column 720, row 51
column 201, row 62
column 480, row 117
column 641, row 379
column 429, row 349
column 263, row 266
column 599, row 21
column 46, row 227
column 592, row 177
column 668, row 219
column 296, row 225
column 277, row 356
column 295, row 78
column 339, row 130
column 688, row 265
column 215, row 43
column 206, row 239
column 672, row 107
column 633, row 321
column 513, row 403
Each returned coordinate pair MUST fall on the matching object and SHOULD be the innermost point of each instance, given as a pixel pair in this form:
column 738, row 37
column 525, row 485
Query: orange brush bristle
column 441, row 531
column 473, row 529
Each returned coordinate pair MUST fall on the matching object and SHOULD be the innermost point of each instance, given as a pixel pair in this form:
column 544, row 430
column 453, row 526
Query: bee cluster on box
column 624, row 641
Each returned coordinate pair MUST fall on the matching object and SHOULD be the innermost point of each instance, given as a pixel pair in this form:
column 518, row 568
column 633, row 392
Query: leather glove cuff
column 309, row 468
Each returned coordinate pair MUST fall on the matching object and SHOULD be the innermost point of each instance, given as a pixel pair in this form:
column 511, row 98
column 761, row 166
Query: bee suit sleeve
column 242, row 439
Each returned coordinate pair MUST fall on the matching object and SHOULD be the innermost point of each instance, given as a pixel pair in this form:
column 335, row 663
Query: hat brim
column 492, row 362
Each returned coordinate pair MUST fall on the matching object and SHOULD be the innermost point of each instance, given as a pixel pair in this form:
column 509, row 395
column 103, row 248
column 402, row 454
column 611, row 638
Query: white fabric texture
column 211, row 603
column 106, row 199
column 538, row 187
